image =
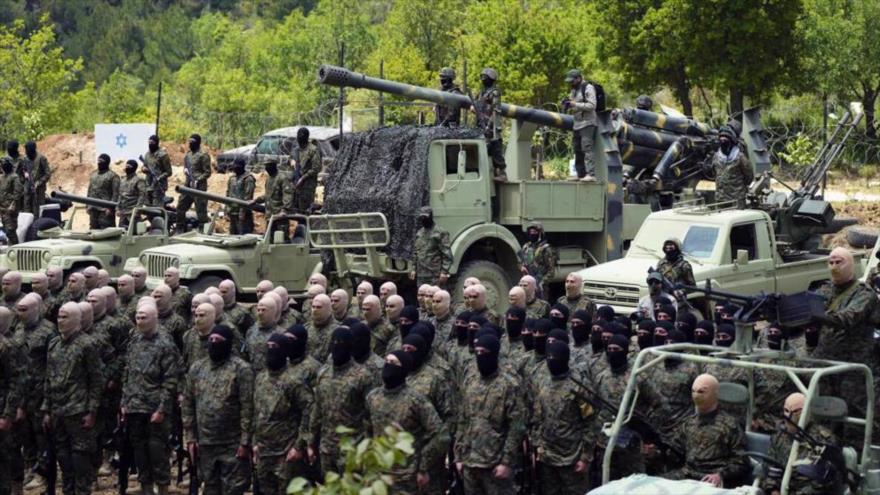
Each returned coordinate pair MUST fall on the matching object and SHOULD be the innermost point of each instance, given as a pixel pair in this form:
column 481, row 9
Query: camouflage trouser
column 495, row 148
column 31, row 434
column 241, row 222
column 156, row 196
column 221, row 471
column 149, row 444
column 331, row 461
column 479, row 481
column 184, row 203
column 36, row 200
column 428, row 278
column 100, row 219
column 563, row 480
column 305, row 196
column 582, row 142
column 274, row 473
column 75, row 448
column 6, row 449
column 10, row 225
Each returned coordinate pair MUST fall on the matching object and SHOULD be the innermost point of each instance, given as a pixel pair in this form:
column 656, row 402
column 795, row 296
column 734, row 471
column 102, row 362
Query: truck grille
column 612, row 294
column 156, row 264
column 29, row 260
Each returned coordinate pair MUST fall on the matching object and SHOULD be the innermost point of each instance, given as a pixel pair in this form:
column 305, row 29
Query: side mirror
column 742, row 257
column 462, row 163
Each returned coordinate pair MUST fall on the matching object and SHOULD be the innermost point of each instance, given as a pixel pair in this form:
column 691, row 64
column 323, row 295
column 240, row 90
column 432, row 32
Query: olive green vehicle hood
column 201, row 253
column 72, row 246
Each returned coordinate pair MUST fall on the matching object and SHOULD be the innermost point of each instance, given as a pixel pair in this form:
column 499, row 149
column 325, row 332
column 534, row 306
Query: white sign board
column 122, row 141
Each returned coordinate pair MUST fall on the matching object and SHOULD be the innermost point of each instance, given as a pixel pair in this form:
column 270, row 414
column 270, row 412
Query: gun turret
column 85, row 200
column 197, row 193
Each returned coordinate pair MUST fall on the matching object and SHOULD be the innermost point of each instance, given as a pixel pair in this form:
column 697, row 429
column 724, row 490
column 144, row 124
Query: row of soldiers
column 22, row 184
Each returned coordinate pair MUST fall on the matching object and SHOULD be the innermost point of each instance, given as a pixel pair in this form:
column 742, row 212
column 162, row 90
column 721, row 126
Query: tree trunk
column 869, row 98
column 682, row 90
column 736, row 103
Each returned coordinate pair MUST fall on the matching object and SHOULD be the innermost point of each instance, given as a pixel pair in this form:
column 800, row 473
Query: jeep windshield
column 698, row 241
column 272, row 145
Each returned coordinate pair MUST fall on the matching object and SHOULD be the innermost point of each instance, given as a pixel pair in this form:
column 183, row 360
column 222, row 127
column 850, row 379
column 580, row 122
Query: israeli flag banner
column 122, row 141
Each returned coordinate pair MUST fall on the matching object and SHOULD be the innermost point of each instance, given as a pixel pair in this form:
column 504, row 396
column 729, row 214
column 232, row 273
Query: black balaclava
column 341, row 343
column 560, row 321
column 486, row 81
column 420, row 354
column 528, row 335
column 425, row 330
column 660, row 338
column 6, row 163
column 605, row 313
column 580, row 327
column 811, row 336
column 672, row 254
column 617, row 359
column 474, row 324
column 493, row 328
column 558, row 334
column 30, row 150
column 727, row 314
column 302, row 137
column 12, row 148
column 220, row 351
column 725, row 329
column 534, row 235
column 299, row 342
column 103, row 162
column 426, row 219
column 394, row 376
column 645, row 333
column 596, row 330
column 348, row 322
column 276, row 357
column 461, row 327
column 411, row 313
column 557, row 359
column 516, row 317
column 542, row 329
column 272, row 168
column 360, row 346
column 686, row 322
column 675, row 336
column 774, row 340
column 487, row 363
column 195, row 143
column 726, row 144
column 131, row 167
column 238, row 166
column 669, row 310
column 708, row 327
column 153, row 143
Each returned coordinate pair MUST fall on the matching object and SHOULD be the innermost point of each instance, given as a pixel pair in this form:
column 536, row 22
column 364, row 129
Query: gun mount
column 85, row 200
column 198, row 193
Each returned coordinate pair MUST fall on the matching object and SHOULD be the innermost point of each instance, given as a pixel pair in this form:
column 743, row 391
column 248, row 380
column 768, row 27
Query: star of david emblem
column 121, row 141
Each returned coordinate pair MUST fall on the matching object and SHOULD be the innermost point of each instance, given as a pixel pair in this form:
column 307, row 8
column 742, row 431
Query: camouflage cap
column 447, row 72
column 728, row 132
column 490, row 73
column 535, row 225
column 673, row 240
column 572, row 74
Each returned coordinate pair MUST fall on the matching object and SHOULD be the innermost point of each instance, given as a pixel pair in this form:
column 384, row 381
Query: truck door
column 460, row 184
column 754, row 272
column 285, row 263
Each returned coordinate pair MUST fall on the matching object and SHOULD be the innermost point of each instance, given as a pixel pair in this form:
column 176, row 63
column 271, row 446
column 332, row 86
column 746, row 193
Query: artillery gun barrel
column 649, row 138
column 73, row 198
column 332, row 75
column 197, row 193
column 672, row 154
column 638, row 156
column 678, row 125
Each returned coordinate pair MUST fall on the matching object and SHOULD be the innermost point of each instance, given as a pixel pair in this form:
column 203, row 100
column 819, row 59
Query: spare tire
column 862, row 237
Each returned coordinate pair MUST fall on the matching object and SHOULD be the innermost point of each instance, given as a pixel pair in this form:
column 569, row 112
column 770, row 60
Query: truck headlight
column 11, row 256
column 47, row 256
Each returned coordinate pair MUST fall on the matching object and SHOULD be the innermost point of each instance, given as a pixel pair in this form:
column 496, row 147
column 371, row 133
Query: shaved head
column 285, row 297
column 471, row 281
column 315, row 290
column 98, row 301
column 69, row 319
column 339, row 303
column 217, row 301
column 139, row 275
column 267, row 310
column 110, row 296
column 197, row 300
column 387, row 289
column 162, row 294
column 440, row 303
column 204, row 317
column 147, row 319
column 393, row 307
column 28, row 309
column 364, row 289
column 530, row 285
column 76, row 283
column 321, row 312
column 88, row 316
column 264, row 286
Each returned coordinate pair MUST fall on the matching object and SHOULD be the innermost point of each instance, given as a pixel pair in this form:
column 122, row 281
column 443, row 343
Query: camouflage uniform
column 160, row 163
column 490, row 315
column 38, row 175
column 173, row 325
column 434, row 384
column 281, row 418
column 487, row 105
column 374, row 364
column 726, row 373
column 448, row 115
column 431, row 254
column 198, row 165
column 444, row 332
column 713, row 443
column 673, row 381
column 256, row 345
column 11, row 198
column 580, row 302
column 304, row 370
column 195, row 346
column 279, row 194
column 73, row 389
column 132, row 193
column 537, row 309
column 490, row 431
column 33, row 341
column 539, row 259
column 14, row 378
column 218, row 414
column 289, row 317
column 381, row 334
column 241, row 220
column 319, row 338
column 678, row 271
column 239, row 316
column 733, row 175
column 181, row 301
column 149, row 386
column 407, row 410
column 308, row 166
column 103, row 185
column 340, row 400
column 780, row 447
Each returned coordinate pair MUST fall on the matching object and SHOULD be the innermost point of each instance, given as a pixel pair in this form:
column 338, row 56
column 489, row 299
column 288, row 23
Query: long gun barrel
column 332, row 75
column 198, row 193
column 73, row 198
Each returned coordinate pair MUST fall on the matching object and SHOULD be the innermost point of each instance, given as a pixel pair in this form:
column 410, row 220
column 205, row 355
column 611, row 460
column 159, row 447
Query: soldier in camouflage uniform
column 432, row 256
column 363, row 290
column 38, row 172
column 170, row 321
column 15, row 376
column 240, row 185
column 674, row 267
column 303, row 367
column 287, row 315
column 157, row 167
column 257, row 336
column 381, row 332
column 11, row 288
column 103, row 184
column 487, row 106
column 712, row 440
column 197, row 168
column 476, row 297
column 195, row 340
column 13, row 155
column 306, row 169
column 218, row 414
column 149, row 390
column 448, row 115
column 132, row 193
column 491, row 424
column 537, row 257
column 397, row 405
column 181, row 297
column 279, row 199
column 574, row 299
column 235, row 312
column 733, row 172
column 340, row 400
column 320, row 327
column 72, row 394
column 11, row 198
column 581, row 104
column 361, row 351
column 535, row 306
column 442, row 319
column 281, row 418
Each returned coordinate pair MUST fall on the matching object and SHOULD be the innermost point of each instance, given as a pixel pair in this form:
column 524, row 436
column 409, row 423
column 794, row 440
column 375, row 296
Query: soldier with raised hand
column 132, row 193
column 732, row 169
column 103, row 184
column 432, row 255
column 181, row 297
column 197, row 169
column 195, row 340
column 149, row 389
column 491, row 425
column 448, row 115
column 258, row 335
column 574, row 298
column 218, row 415
column 241, row 186
column 320, row 327
column 307, row 165
column 537, row 258
column 339, row 305
column 14, row 380
column 381, row 332
column 11, row 198
column 72, row 394
column 281, row 418
column 36, row 171
column 11, row 287
column 157, row 167
column 237, row 313
column 673, row 266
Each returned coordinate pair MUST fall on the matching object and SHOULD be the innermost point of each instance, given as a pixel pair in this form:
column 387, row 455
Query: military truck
column 104, row 248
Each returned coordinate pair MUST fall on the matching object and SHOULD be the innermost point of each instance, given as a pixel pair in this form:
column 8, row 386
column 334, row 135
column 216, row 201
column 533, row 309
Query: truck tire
column 862, row 237
column 493, row 277
column 202, row 283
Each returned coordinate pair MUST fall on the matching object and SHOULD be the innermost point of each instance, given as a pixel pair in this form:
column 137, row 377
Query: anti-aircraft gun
column 217, row 198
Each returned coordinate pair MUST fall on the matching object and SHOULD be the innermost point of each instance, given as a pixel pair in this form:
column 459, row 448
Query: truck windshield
column 270, row 145
column 698, row 241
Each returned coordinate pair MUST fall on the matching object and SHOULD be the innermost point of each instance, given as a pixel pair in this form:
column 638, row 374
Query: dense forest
column 250, row 64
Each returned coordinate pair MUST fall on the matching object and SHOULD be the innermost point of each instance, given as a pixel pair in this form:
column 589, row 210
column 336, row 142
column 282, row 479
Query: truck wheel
column 202, row 283
column 862, row 237
column 493, row 278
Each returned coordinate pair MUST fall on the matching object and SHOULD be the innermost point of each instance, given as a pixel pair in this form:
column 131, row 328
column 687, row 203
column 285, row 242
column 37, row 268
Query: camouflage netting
column 386, row 170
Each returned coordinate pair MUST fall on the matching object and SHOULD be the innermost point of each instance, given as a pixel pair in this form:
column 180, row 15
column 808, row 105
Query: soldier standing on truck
column 279, row 198
column 132, row 193
column 103, row 184
column 488, row 109
column 448, row 115
column 197, row 168
column 240, row 186
column 732, row 169
column 581, row 103
column 157, row 166
column 11, row 196
column 537, row 257
column 308, row 163
column 432, row 255
column 38, row 174
column 674, row 267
